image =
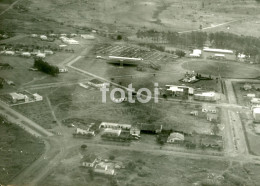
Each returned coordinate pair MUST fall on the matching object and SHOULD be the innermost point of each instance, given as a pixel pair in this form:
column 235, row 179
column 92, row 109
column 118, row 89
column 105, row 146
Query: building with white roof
column 205, row 96
column 26, row 54
column 37, row 97
column 115, row 126
column 69, row 40
column 41, row 55
column 196, row 53
column 175, row 137
column 215, row 50
column 112, row 132
column 256, row 114
column 43, row 37
column 18, row 97
column 179, row 89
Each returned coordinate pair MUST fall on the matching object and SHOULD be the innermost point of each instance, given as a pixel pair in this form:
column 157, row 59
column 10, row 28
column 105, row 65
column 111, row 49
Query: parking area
column 133, row 52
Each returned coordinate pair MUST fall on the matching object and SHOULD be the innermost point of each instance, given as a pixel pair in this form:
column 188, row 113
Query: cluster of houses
column 36, row 53
column 100, row 166
column 24, row 98
column 214, row 53
column 254, row 100
column 185, row 91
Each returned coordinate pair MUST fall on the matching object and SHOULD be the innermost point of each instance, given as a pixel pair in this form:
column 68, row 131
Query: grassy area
column 152, row 169
column 18, row 150
column 133, row 15
column 242, row 99
column 226, row 69
column 75, row 101
column 38, row 112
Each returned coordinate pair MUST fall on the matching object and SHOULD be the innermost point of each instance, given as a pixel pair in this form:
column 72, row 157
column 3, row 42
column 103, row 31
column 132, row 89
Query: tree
column 119, row 37
column 180, row 53
column 83, row 146
column 111, row 157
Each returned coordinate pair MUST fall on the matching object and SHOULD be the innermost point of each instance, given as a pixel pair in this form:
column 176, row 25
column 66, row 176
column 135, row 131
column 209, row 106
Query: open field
column 241, row 95
column 152, row 169
column 75, row 101
column 252, row 137
column 128, row 16
column 18, row 150
column 224, row 69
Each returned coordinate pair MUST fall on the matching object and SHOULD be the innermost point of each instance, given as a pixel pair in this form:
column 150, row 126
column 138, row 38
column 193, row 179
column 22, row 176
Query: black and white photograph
column 129, row 92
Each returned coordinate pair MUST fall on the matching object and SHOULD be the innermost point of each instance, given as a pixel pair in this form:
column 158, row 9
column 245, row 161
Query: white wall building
column 37, row 97
column 115, row 126
column 43, row 37
column 256, row 114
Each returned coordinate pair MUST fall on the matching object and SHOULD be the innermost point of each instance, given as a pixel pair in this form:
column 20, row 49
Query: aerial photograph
column 129, row 92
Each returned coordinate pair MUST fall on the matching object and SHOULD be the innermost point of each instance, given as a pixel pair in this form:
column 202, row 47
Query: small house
column 43, row 37
column 247, row 87
column 9, row 53
column 256, row 114
column 115, row 126
column 135, row 131
column 209, row 108
column 40, row 55
column 103, row 168
column 89, row 160
column 112, row 132
column 212, row 117
column 26, row 54
column 37, row 97
column 175, row 137
column 96, row 83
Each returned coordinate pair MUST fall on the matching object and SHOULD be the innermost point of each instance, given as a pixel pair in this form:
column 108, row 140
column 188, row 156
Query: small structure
column 112, row 132
column 194, row 113
column 250, row 95
column 247, row 87
column 37, row 97
column 86, row 36
column 256, row 87
column 43, row 37
column 34, row 35
column 178, row 90
column 83, row 85
column 84, row 132
column 9, row 53
column 214, row 50
column 115, row 126
column 96, row 83
column 175, row 137
column 135, row 131
column 18, row 97
column 256, row 114
column 41, row 55
column 241, row 57
column 63, row 70
column 196, row 53
column 212, row 117
column 205, row 96
column 69, row 40
column 255, row 101
column 89, row 160
column 48, row 52
column 209, row 108
column 103, row 168
column 26, row 54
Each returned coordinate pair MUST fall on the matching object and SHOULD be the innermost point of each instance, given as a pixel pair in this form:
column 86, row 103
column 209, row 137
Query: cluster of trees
column 248, row 45
column 153, row 46
column 46, row 67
